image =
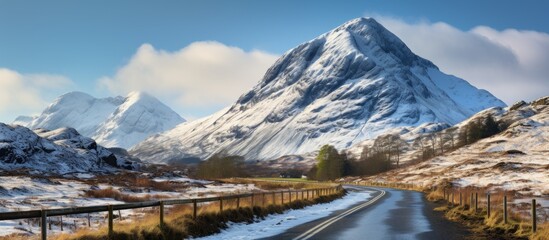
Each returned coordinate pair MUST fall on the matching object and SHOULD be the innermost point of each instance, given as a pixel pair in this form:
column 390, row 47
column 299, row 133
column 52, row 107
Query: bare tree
column 450, row 136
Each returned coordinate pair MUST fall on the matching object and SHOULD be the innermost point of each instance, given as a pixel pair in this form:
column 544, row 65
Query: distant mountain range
column 112, row 122
column 348, row 85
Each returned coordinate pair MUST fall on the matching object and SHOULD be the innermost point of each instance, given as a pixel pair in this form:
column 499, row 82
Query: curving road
column 390, row 214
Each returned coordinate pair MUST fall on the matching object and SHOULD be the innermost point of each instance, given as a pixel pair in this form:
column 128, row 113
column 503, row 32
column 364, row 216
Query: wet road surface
column 397, row 214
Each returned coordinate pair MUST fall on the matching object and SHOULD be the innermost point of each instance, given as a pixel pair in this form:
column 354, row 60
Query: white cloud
column 512, row 64
column 201, row 75
column 23, row 94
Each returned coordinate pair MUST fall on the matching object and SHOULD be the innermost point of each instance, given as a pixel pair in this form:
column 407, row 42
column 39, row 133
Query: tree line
column 383, row 155
column 386, row 151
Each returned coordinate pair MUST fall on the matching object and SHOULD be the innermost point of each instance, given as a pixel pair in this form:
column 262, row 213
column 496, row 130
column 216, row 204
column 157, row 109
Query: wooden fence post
column 505, row 209
column 534, row 216
column 43, row 220
column 460, row 199
column 290, row 195
column 263, row 200
column 61, row 222
column 110, row 222
column 471, row 202
column 488, row 203
column 220, row 205
column 238, row 202
column 195, row 208
column 161, row 214
column 89, row 220
column 476, row 202
column 282, row 197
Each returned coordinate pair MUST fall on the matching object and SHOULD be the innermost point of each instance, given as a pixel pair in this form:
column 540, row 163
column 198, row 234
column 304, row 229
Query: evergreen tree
column 490, row 127
column 330, row 164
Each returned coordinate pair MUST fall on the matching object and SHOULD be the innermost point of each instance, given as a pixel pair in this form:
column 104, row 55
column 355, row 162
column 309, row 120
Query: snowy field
column 279, row 223
column 26, row 193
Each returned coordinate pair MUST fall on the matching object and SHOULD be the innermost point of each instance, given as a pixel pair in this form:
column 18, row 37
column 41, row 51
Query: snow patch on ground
column 279, row 223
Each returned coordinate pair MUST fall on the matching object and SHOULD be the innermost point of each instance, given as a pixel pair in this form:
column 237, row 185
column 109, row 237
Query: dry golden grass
column 542, row 233
column 278, row 185
column 180, row 224
column 117, row 195
column 148, row 183
column 19, row 237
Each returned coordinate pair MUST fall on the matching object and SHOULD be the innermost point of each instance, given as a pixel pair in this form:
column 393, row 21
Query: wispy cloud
column 201, row 75
column 22, row 94
column 512, row 64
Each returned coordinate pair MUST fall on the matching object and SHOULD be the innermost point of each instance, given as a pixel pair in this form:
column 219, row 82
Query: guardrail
column 45, row 213
column 466, row 198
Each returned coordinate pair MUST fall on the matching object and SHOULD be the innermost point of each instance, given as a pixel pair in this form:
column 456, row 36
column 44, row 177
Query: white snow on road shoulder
column 279, row 223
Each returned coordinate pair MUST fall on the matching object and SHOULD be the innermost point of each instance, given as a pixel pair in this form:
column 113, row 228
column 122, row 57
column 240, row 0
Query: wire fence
column 45, row 217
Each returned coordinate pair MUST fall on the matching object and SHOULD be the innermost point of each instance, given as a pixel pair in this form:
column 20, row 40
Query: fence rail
column 45, row 213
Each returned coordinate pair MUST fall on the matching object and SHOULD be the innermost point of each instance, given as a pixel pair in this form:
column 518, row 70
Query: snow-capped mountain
column 347, row 85
column 112, row 122
column 58, row 151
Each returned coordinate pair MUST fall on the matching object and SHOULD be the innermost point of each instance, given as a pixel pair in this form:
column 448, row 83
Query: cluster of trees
column 479, row 129
column 434, row 144
column 221, row 166
column 330, row 164
column 437, row 143
column 386, row 151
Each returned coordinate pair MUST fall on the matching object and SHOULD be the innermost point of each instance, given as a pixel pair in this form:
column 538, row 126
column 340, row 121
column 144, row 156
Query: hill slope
column 515, row 159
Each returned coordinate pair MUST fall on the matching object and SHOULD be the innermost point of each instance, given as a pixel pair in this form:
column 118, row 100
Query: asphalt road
column 396, row 214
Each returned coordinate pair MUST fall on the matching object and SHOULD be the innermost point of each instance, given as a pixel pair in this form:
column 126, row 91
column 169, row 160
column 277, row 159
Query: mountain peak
column 141, row 97
column 112, row 121
column 361, row 24
column 366, row 34
column 346, row 85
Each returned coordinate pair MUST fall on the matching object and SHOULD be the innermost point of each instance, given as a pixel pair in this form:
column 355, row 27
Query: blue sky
column 75, row 44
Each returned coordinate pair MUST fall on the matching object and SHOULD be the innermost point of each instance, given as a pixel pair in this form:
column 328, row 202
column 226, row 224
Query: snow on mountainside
column 59, row 151
column 515, row 159
column 340, row 88
column 112, row 122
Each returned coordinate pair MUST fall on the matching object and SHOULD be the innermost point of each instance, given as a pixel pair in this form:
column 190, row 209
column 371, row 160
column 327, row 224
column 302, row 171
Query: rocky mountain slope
column 112, row 122
column 58, row 151
column 345, row 86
